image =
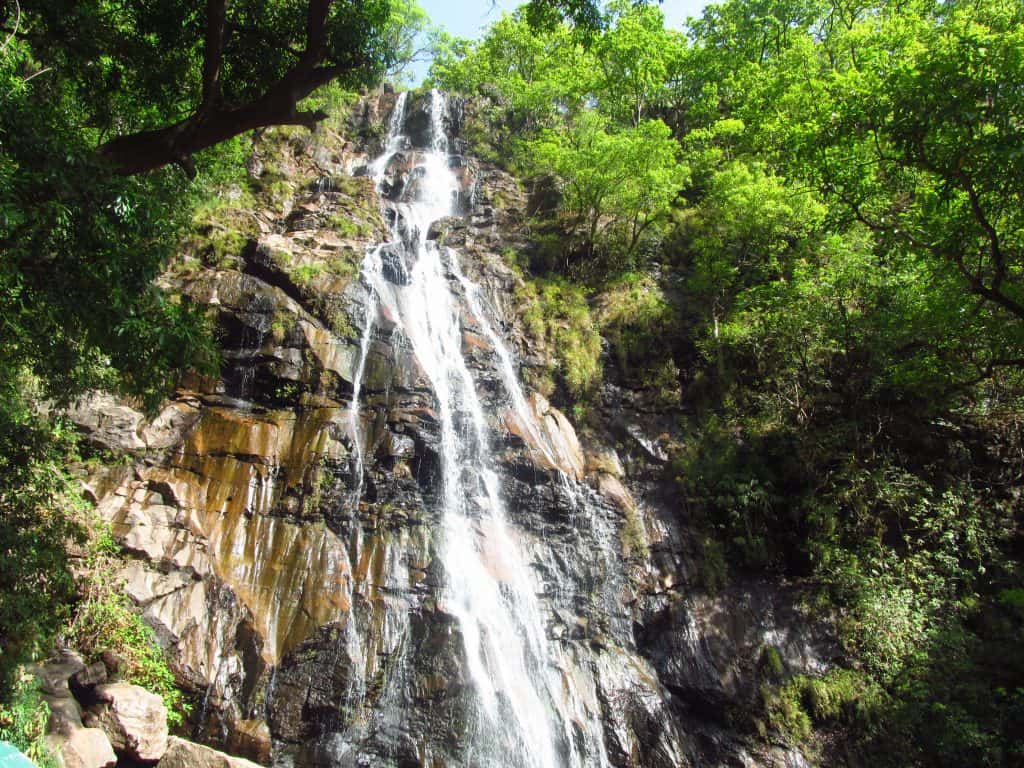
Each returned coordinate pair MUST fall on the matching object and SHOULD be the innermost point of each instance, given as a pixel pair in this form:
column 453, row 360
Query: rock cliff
column 283, row 522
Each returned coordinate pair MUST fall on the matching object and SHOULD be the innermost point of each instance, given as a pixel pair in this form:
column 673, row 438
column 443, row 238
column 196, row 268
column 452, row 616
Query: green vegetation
column 632, row 312
column 826, row 292
column 634, row 537
column 557, row 315
column 842, row 696
column 42, row 513
column 23, row 720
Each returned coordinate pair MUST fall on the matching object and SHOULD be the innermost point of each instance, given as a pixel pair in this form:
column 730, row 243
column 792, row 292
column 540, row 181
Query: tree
column 636, row 55
column 227, row 67
column 943, row 121
column 538, row 75
column 913, row 125
column 616, row 183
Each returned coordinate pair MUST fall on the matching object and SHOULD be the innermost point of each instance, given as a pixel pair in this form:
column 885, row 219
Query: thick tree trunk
column 175, row 144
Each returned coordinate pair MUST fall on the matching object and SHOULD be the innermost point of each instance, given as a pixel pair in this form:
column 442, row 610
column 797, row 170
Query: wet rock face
column 285, row 545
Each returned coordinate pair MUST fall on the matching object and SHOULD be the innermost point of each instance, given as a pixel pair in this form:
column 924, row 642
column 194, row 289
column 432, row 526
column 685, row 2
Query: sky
column 470, row 18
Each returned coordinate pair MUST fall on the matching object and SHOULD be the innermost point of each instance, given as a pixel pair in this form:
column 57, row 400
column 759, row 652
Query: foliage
column 638, row 59
column 632, row 313
column 617, row 185
column 174, row 78
column 534, row 74
column 23, row 719
column 834, row 287
column 40, row 511
column 81, row 248
column 840, row 696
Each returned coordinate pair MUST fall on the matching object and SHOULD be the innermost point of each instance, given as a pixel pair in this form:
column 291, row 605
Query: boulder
column 134, row 720
column 185, row 754
column 82, row 748
column 108, row 423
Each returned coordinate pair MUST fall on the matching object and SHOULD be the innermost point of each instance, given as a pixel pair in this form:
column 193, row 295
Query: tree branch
column 974, row 280
column 998, row 258
column 212, row 122
column 14, row 30
column 148, row 150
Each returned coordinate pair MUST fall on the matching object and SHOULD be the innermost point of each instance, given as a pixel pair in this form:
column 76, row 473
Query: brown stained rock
column 227, row 482
column 276, row 439
column 251, row 738
column 171, row 425
column 134, row 720
column 186, row 754
column 474, row 342
column 291, row 577
column 330, row 353
column 606, row 461
column 550, row 436
column 612, row 489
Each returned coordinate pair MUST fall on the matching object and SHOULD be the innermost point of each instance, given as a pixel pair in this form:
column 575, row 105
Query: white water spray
column 529, row 714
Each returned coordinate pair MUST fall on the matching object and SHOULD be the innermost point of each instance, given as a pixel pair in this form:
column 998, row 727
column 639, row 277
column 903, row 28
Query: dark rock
column 86, row 679
column 393, row 265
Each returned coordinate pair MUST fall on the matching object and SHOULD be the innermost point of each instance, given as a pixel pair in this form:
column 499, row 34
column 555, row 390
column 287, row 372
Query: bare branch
column 14, row 31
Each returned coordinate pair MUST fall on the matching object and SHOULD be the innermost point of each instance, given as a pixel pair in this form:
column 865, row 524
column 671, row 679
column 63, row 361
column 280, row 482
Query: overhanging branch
column 212, row 122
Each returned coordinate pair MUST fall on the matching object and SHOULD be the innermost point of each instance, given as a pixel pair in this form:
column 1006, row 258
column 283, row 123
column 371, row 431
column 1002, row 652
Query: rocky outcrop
column 67, row 738
column 83, row 748
column 284, row 544
column 108, row 423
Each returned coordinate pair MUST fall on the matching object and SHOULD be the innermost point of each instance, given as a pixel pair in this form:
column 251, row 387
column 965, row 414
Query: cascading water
column 527, row 713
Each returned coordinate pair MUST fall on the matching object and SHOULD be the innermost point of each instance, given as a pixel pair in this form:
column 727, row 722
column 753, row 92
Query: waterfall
column 527, row 712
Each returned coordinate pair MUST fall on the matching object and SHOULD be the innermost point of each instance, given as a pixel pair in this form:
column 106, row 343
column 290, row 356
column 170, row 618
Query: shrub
column 557, row 313
column 40, row 512
column 842, row 696
column 23, row 719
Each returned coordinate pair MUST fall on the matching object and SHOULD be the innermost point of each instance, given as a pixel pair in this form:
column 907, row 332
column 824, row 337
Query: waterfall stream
column 527, row 712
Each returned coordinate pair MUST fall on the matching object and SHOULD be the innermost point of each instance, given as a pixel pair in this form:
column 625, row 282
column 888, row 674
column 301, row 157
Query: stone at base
column 82, row 748
column 251, row 738
column 185, row 754
column 134, row 719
